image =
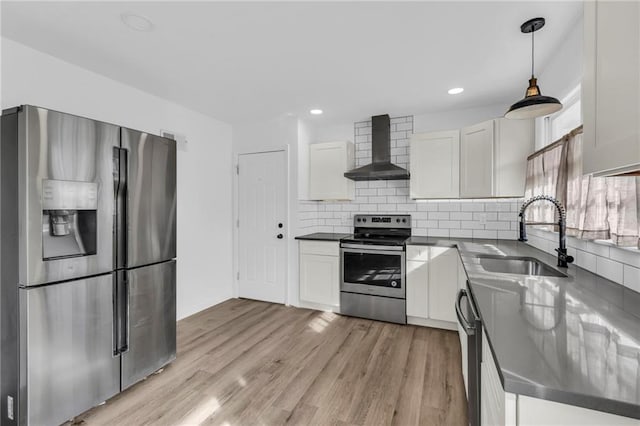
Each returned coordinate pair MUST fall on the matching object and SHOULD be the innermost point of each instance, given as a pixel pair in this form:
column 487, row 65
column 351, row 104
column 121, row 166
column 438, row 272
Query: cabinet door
column 327, row 164
column 320, row 279
column 476, row 160
column 514, row 141
column 492, row 402
column 417, row 289
column 443, row 283
column 435, row 165
column 611, row 87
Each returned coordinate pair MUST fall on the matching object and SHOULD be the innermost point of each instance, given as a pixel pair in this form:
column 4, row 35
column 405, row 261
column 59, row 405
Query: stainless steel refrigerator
column 87, row 262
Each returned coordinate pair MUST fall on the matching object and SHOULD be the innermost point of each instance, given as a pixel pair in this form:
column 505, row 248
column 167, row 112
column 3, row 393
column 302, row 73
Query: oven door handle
column 369, row 251
column 468, row 327
column 368, row 247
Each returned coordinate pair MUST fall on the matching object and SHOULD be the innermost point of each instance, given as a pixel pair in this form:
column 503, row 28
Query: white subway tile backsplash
column 472, row 207
column 609, row 269
column 427, row 224
column 388, row 208
column 439, row 215
column 508, row 216
column 507, row 235
column 628, row 256
column 497, row 225
column 449, row 224
column 404, row 126
column 437, row 232
column 481, row 233
column 407, row 207
column 586, row 260
column 471, row 224
column 599, row 249
column 386, row 191
column 377, row 184
column 377, row 199
column 396, row 199
column 461, row 216
column 461, row 233
column 632, row 277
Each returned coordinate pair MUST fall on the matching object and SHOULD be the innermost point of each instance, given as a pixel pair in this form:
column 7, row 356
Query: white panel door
column 435, row 165
column 262, row 227
column 476, row 161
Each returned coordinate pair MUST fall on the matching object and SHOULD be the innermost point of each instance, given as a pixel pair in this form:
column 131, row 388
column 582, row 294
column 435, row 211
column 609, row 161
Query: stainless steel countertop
column 323, row 236
column 574, row 340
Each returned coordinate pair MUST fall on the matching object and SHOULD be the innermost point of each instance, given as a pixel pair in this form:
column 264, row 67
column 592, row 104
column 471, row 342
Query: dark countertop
column 574, row 340
column 322, row 236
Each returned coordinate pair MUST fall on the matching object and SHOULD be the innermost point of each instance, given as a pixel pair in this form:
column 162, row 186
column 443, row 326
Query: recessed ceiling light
column 455, row 90
column 137, row 22
column 316, row 111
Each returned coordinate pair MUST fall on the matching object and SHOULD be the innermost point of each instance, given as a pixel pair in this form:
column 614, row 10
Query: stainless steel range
column 373, row 268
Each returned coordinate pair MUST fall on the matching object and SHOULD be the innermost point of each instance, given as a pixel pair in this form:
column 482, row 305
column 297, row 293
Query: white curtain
column 597, row 208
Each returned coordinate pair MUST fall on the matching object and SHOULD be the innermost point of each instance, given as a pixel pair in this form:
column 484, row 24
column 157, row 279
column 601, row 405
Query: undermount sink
column 517, row 265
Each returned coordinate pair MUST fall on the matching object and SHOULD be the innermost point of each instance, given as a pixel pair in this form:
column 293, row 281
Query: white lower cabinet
column 320, row 272
column 432, row 284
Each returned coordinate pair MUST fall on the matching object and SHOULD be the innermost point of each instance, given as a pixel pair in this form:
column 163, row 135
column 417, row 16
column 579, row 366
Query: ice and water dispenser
column 68, row 218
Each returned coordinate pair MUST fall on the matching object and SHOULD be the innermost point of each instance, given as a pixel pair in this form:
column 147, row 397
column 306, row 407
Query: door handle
column 280, row 236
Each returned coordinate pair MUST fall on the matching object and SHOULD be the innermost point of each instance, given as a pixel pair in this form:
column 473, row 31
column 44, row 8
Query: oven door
column 378, row 271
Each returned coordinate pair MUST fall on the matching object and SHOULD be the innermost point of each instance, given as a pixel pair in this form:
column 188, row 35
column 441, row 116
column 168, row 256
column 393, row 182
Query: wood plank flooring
column 245, row 362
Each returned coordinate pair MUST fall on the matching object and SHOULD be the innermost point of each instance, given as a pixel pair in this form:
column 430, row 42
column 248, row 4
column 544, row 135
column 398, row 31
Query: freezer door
column 70, row 365
column 151, row 198
column 152, row 321
column 66, row 201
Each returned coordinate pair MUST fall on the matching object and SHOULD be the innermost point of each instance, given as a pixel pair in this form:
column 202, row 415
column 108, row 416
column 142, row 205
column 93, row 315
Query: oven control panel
column 382, row 221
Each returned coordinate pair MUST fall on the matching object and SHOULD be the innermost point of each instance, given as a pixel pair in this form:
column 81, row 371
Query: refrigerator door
column 151, row 198
column 66, row 207
column 152, row 321
column 70, row 367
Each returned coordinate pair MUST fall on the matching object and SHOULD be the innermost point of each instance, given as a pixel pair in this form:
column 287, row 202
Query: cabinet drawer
column 324, row 248
column 419, row 253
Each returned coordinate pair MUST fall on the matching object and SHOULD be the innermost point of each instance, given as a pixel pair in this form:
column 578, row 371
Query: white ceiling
column 240, row 61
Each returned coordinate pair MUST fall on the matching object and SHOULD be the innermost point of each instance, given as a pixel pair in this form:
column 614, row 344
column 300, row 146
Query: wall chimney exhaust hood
column 381, row 167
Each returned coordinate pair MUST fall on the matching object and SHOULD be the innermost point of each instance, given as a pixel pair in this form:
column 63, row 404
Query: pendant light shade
column 534, row 104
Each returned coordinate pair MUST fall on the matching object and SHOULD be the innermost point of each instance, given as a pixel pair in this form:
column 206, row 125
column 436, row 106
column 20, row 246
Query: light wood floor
column 249, row 363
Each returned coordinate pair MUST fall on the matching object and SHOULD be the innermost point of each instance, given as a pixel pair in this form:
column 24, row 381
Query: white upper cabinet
column 476, row 160
column 514, row 140
column 611, row 88
column 435, row 165
column 327, row 164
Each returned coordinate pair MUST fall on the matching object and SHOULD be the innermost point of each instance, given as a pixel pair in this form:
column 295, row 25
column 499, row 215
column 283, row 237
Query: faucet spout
column 563, row 258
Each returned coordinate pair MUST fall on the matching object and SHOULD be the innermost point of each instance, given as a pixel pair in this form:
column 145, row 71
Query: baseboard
column 425, row 322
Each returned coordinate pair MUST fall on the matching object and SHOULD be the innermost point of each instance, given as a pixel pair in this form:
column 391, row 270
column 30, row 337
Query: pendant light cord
column 532, row 55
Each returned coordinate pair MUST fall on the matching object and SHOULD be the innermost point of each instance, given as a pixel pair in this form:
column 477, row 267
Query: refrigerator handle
column 121, row 165
column 125, row 321
column 120, row 313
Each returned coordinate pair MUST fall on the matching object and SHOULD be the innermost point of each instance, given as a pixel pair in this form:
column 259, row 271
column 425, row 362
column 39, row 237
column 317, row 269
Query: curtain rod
column 559, row 142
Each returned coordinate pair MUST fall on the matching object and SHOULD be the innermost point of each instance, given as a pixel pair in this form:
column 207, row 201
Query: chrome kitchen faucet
column 563, row 258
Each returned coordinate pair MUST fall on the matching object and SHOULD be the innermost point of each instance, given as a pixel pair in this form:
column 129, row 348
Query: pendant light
column 534, row 104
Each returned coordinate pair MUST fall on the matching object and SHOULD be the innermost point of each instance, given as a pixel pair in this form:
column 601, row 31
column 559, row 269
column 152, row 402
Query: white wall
column 277, row 134
column 204, row 163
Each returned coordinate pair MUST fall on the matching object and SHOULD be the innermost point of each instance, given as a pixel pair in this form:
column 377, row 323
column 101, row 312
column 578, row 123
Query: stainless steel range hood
column 381, row 167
